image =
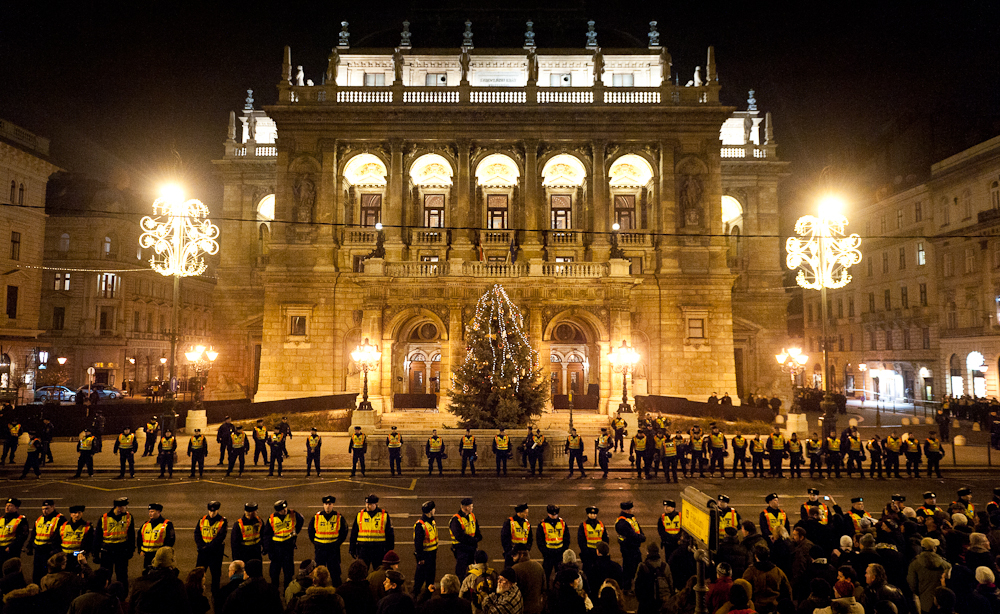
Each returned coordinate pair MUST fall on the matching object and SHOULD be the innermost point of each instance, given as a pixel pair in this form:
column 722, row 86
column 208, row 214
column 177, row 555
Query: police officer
column 167, row 451
column 814, row 450
column 357, row 447
column 114, row 540
column 603, row 445
column 668, row 456
column 553, row 539
column 934, row 452
column 286, row 433
column 637, row 450
column 536, row 452
column 965, row 502
column 772, row 517
column 43, row 539
column 154, row 534
column 893, row 447
column 501, row 449
column 669, row 527
column 210, row 540
column 757, row 456
column 10, row 441
column 314, row 444
column 814, row 502
column 697, row 450
column 152, row 432
column 630, row 540
column 222, row 438
column 75, row 535
column 619, row 425
column 658, row 439
column 875, row 453
column 911, row 449
column 394, row 441
column 516, row 531
column 85, row 448
column 930, row 506
column 238, row 446
column 740, row 447
column 794, row 456
column 13, row 530
column 574, row 447
column 372, row 534
column 260, row 438
column 425, row 545
column 197, row 450
column 590, row 533
column 277, row 444
column 246, row 542
column 894, row 509
column 728, row 516
column 851, row 442
column 435, row 452
column 994, row 505
column 125, row 449
column 861, row 519
column 33, row 459
column 327, row 532
column 465, row 537
column 278, row 536
column 834, row 458
column 468, row 448
column 718, row 446
column 777, row 447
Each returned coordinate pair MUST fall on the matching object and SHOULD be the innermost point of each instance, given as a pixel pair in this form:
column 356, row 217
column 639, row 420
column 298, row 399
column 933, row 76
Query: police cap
column 372, row 498
column 156, row 506
column 466, row 501
column 280, row 504
column 120, row 502
column 899, row 498
column 520, row 507
column 427, row 507
column 930, row 495
column 214, row 506
column 724, row 498
column 813, row 491
column 14, row 501
column 770, row 497
column 77, row 509
column 669, row 503
column 625, row 505
column 592, row 509
column 329, row 499
column 48, row 502
column 551, row 509
column 964, row 492
column 857, row 500
column 250, row 506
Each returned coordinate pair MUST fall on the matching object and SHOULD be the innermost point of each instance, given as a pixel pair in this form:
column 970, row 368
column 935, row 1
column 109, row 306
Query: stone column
column 455, row 351
column 392, row 211
column 462, row 217
column 532, row 201
column 599, row 189
column 535, row 337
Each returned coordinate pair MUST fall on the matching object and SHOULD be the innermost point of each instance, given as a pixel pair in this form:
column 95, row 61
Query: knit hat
column 358, row 571
column 747, row 587
column 984, row 575
column 569, row 556
column 929, row 543
column 846, row 542
column 391, row 558
column 738, row 596
column 959, row 520
column 979, row 539
column 652, row 552
column 164, row 557
column 844, row 588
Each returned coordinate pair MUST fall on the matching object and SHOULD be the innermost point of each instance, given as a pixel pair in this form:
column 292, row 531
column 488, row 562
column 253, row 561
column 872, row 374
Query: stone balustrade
column 534, row 268
column 359, row 236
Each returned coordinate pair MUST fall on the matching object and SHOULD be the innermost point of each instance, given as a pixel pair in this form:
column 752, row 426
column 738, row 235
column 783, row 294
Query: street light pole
column 622, row 359
column 367, row 357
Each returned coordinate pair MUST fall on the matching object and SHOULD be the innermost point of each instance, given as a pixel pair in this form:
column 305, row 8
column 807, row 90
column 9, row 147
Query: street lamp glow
column 180, row 234
column 831, row 206
column 622, row 360
column 615, row 226
column 824, row 253
column 367, row 356
column 61, row 360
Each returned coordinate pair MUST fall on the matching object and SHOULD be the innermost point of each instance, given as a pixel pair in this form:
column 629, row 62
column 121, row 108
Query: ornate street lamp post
column 367, row 357
column 794, row 362
column 180, row 234
column 202, row 359
column 622, row 361
column 823, row 255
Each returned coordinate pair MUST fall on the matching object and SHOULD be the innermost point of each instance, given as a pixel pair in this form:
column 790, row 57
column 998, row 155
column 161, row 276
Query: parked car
column 105, row 391
column 55, row 393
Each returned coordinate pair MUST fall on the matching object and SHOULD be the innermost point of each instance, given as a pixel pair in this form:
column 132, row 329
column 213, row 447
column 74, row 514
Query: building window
column 868, row 228
column 926, row 334
column 922, row 255
column 561, row 80
column 952, row 316
column 888, row 339
column 297, row 326
column 15, row 245
column 945, row 212
column 966, row 205
column 107, row 285
column 885, row 262
column 918, row 212
column 13, row 188
column 888, row 299
column 561, row 211
column 106, row 320
column 434, row 210
column 873, row 340
column 871, row 268
column 20, row 195
column 625, row 211
column 696, row 328
column 850, row 341
column 840, row 307
column 906, row 339
column 882, row 224
column 58, row 318
column 136, row 321
column 840, row 343
column 902, row 258
column 904, row 299
column 995, row 195
column 496, row 211
column 850, row 306
column 969, row 260
column 374, row 79
column 923, row 295
column 622, row 80
column 64, row 242
column 371, row 210
column 62, row 281
column 947, row 265
column 871, row 302
column 436, row 79
column 899, row 219
column 12, row 302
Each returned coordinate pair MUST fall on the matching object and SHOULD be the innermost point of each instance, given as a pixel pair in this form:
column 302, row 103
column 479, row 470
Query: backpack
column 662, row 590
column 483, row 586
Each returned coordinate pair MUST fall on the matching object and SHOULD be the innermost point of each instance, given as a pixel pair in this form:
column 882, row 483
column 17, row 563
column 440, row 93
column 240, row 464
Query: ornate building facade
column 611, row 203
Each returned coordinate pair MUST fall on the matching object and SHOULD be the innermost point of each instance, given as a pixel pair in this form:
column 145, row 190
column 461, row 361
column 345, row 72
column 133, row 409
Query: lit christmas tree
column 500, row 382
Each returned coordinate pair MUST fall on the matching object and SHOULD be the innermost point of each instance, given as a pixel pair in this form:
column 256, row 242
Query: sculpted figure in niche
column 252, row 127
column 332, row 66
column 532, row 67
column 465, row 60
column 691, row 200
column 598, row 66
column 666, row 66
column 397, row 65
column 305, row 199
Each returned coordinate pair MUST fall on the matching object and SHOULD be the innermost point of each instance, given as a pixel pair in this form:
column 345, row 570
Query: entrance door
column 418, row 379
column 574, row 377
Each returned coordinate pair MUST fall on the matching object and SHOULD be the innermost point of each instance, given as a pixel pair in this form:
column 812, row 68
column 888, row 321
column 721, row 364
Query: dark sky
column 115, row 84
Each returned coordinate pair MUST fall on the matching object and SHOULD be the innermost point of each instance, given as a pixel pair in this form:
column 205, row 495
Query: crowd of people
column 819, row 559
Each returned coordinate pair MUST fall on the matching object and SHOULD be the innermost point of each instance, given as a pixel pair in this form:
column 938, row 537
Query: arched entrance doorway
column 417, row 365
column 569, row 359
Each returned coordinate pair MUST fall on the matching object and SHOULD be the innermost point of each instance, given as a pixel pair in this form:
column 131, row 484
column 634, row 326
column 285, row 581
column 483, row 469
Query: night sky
column 116, row 85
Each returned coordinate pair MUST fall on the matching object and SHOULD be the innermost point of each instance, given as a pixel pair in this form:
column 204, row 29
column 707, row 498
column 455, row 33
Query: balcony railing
column 359, row 236
column 634, row 239
column 564, row 238
column 575, row 269
column 416, row 269
column 430, row 237
column 533, row 268
column 259, row 151
column 495, row 238
column 494, row 269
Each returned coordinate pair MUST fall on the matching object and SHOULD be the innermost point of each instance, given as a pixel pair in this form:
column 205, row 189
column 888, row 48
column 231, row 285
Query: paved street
column 184, row 500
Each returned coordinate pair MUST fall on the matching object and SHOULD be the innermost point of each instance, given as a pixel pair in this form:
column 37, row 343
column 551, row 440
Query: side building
column 611, row 203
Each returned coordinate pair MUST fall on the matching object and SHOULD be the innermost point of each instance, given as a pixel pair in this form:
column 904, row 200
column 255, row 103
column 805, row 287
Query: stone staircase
column 586, row 423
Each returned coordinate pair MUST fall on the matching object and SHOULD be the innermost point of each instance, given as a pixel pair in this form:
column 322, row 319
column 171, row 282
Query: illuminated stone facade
column 520, row 184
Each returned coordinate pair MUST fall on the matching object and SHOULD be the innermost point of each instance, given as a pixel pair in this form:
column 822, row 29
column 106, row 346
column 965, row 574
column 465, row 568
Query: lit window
column 436, row 79
column 434, row 210
column 922, row 255
column 108, row 248
column 560, row 80
column 696, row 328
column 371, row 210
column 496, row 211
column 622, row 80
column 374, row 79
column 15, row 245
column 297, row 326
column 64, row 242
column 62, row 281
column 561, row 211
column 625, row 211
column 107, row 285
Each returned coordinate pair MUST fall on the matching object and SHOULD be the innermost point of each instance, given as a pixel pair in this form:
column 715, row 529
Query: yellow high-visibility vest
column 634, row 524
column 671, row 524
column 502, row 441
column 554, row 534
column 313, row 442
column 519, row 531
column 594, row 534
column 125, row 442
column 468, row 442
column 933, row 445
column 87, row 444
column 775, row 520
column 430, row 542
column 72, row 539
column 718, row 441
column 239, row 440
column 358, row 441
column 260, row 432
column 208, row 529
column 45, row 529
column 282, row 528
column 893, row 444
column 153, row 536
column 395, row 441
column 833, row 444
column 326, row 531
column 640, row 443
column 435, row 443
column 729, row 519
column 168, row 443
column 197, row 442
column 468, row 525
column 250, row 532
column 669, row 448
column 114, row 531
column 575, row 442
column 371, row 528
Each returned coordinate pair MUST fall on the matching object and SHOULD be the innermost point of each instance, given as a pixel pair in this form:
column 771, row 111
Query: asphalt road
column 184, row 501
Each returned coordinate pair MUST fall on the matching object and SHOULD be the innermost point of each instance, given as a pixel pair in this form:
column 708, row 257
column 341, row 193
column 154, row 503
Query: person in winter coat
column 608, row 602
column 925, row 572
column 770, row 584
column 59, row 587
column 321, row 597
column 978, row 555
column 605, row 569
column 396, row 600
column 22, row 601
column 356, row 592
column 159, row 589
column 718, row 591
column 447, row 600
column 194, row 585
column 255, row 595
column 747, row 592
column 507, row 599
column 731, row 551
column 653, row 583
column 236, row 577
column 96, row 600
column 843, row 593
column 987, row 589
column 820, row 592
column 962, row 582
column 13, row 577
column 879, row 589
column 564, row 598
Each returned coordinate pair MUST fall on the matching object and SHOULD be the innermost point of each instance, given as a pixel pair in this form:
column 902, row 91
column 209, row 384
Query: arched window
column 629, row 176
column 13, row 189
column 432, row 174
column 995, row 195
column 20, row 195
column 967, row 204
column 366, row 174
column 64, row 242
column 106, row 248
column 265, row 210
column 562, row 175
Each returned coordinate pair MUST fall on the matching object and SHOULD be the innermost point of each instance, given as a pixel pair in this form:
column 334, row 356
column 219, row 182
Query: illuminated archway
column 732, row 210
column 365, row 170
column 563, row 170
column 497, row 170
column 630, row 171
column 431, row 170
